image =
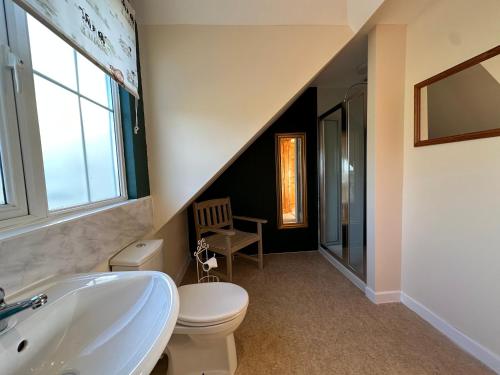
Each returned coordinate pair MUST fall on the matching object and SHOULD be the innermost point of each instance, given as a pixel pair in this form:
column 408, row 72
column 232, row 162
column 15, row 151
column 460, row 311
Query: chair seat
column 217, row 242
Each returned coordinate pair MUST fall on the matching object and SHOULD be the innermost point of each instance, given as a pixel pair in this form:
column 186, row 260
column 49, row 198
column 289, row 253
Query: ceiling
column 347, row 67
column 344, row 69
column 242, row 12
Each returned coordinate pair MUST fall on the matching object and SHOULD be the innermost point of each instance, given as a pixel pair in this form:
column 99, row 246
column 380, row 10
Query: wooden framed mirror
column 291, row 182
column 461, row 103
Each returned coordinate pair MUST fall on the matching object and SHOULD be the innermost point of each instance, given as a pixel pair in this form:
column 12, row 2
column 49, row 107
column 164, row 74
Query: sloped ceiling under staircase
column 210, row 90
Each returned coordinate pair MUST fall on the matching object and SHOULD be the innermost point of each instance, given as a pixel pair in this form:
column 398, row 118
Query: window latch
column 14, row 63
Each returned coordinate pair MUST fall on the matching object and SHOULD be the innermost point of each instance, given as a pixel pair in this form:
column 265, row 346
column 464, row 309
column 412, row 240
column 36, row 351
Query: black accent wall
column 250, row 181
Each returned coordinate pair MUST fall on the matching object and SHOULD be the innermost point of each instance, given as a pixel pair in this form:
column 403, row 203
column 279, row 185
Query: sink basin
column 101, row 323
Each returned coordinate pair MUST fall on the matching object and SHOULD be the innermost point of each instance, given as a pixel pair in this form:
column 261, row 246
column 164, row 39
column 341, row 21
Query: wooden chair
column 215, row 216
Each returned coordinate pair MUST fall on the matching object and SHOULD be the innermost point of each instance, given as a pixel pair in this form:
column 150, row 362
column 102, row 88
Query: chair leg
column 260, row 251
column 229, row 263
column 229, row 259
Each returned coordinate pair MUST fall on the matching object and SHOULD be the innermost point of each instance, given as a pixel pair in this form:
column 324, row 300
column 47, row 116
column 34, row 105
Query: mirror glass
column 464, row 103
column 291, row 180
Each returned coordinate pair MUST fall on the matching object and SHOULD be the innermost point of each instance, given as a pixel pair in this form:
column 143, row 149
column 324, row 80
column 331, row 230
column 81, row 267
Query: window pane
column 291, row 182
column 61, row 136
column 100, row 145
column 2, row 192
column 94, row 83
column 78, row 137
column 288, row 151
column 51, row 55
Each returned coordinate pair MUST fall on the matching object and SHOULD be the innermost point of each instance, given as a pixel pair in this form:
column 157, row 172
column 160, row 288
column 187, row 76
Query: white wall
column 386, row 72
column 451, row 204
column 175, row 235
column 209, row 90
column 359, row 11
column 242, row 12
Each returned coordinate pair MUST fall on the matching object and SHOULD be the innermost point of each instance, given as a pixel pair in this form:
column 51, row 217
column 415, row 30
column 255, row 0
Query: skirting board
column 344, row 271
column 383, row 297
column 472, row 347
column 380, row 297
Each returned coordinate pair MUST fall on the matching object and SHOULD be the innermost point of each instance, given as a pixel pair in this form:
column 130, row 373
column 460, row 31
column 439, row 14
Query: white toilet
column 209, row 313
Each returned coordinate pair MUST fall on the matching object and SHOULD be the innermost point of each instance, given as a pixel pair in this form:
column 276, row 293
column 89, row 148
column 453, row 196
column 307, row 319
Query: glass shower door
column 357, row 139
column 331, row 207
column 342, row 172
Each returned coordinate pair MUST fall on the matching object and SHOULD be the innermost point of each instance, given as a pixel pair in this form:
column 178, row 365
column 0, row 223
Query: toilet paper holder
column 204, row 263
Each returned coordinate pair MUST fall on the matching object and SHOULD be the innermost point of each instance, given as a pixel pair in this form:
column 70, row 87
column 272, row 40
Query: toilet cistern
column 7, row 310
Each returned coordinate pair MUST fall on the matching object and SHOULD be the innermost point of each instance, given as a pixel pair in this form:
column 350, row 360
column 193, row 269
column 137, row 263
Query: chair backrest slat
column 224, row 213
column 208, row 216
column 215, row 219
column 219, row 214
column 215, row 213
column 201, row 216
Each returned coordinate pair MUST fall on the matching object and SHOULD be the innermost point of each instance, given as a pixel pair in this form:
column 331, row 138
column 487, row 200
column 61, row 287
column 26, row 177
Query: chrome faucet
column 7, row 310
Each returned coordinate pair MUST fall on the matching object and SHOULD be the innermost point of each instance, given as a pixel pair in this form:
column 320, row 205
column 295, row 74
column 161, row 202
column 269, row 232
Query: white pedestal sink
column 105, row 323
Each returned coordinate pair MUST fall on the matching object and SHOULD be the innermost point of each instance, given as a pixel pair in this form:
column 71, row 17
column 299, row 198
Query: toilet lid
column 211, row 302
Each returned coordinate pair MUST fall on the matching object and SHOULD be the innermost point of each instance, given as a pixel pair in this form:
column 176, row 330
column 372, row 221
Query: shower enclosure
column 342, row 185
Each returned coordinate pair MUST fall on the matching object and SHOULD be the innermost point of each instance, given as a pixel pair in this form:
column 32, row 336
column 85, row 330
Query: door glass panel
column 356, row 170
column 330, row 207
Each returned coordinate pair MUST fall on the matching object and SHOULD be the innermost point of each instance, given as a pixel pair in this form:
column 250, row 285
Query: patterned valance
column 102, row 30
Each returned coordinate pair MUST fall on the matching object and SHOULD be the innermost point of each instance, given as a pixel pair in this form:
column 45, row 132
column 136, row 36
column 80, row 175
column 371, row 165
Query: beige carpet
column 304, row 317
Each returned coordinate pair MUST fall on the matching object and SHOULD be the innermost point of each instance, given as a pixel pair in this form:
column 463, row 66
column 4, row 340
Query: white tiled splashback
column 72, row 246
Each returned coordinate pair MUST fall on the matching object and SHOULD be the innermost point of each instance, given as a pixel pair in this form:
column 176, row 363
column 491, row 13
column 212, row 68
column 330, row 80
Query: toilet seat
column 210, row 304
column 213, row 325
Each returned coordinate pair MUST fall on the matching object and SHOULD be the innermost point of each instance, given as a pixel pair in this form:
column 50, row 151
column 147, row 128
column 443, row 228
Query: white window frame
column 14, row 184
column 20, row 114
